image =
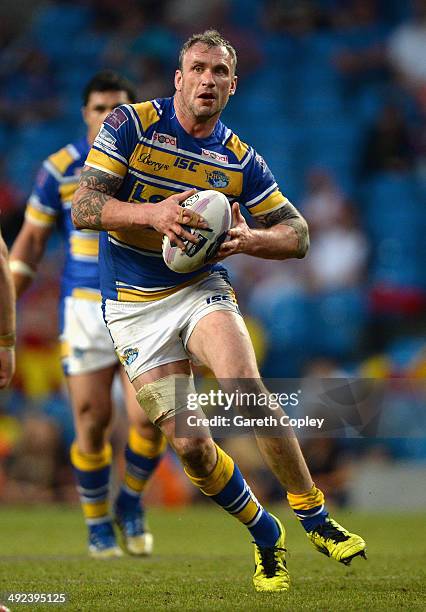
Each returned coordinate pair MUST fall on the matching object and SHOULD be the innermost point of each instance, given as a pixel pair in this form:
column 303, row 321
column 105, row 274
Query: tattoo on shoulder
column 100, row 181
column 95, row 189
column 289, row 215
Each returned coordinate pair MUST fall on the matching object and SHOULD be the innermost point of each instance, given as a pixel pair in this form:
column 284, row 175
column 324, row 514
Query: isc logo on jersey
column 214, row 207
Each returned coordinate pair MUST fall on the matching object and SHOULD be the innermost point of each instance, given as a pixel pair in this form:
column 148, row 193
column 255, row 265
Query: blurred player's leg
column 283, row 455
column 91, row 456
column 145, row 448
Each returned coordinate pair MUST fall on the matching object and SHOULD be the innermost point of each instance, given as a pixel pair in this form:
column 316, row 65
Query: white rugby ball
column 215, row 208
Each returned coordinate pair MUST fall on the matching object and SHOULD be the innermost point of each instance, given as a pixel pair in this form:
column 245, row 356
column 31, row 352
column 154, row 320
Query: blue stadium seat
column 55, row 28
column 338, row 322
column 285, row 315
column 33, row 143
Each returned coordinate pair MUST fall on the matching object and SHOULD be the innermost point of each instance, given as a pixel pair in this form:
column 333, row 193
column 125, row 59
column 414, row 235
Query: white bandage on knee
column 166, row 397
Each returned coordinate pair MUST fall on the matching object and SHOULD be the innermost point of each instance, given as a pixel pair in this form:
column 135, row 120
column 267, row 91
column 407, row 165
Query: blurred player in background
column 7, row 319
column 89, row 360
column 162, row 319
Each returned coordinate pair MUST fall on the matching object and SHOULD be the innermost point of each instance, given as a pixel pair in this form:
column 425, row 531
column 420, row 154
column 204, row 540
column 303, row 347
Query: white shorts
column 150, row 334
column 86, row 344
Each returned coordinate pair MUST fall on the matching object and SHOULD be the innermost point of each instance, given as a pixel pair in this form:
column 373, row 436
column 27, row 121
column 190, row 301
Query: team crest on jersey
column 116, row 118
column 129, row 356
column 217, row 179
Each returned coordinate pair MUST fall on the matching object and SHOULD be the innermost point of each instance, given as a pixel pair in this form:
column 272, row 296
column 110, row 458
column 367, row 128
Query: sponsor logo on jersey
column 186, row 164
column 217, row 179
column 129, row 356
column 116, row 119
column 214, row 155
column 164, row 139
column 146, row 159
column 106, row 139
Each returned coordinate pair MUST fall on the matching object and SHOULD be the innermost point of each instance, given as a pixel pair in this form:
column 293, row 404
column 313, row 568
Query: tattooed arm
column 284, row 235
column 95, row 207
column 288, row 216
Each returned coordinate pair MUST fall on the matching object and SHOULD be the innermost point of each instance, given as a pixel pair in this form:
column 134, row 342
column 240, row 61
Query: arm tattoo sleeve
column 289, row 215
column 95, row 189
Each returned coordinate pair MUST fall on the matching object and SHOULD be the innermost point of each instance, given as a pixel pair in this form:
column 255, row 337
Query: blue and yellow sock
column 309, row 508
column 92, row 471
column 227, row 487
column 142, row 457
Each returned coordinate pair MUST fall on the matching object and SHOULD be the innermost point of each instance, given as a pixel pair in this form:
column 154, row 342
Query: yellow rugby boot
column 336, row 542
column 271, row 574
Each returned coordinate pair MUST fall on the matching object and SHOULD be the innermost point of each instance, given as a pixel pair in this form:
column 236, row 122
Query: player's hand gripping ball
column 214, row 207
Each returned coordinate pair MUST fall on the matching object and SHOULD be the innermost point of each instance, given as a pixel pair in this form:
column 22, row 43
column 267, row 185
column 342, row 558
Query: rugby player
column 89, row 360
column 137, row 172
column 7, row 318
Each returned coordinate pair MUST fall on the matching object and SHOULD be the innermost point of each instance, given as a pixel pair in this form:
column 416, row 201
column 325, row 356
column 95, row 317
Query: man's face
column 99, row 105
column 206, row 80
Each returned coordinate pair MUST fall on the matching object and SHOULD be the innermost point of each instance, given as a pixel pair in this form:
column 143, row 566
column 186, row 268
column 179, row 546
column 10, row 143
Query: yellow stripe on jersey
column 67, row 190
column 61, row 160
column 147, row 114
column 80, row 245
column 273, row 201
column 238, row 147
column 37, row 216
column 100, row 160
column 183, row 171
column 148, row 239
column 86, row 294
column 129, row 294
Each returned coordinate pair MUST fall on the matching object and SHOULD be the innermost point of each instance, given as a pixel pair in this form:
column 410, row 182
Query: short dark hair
column 108, row 80
column 211, row 38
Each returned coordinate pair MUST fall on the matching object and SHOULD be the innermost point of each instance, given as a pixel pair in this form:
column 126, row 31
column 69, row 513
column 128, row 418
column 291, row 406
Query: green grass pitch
column 203, row 561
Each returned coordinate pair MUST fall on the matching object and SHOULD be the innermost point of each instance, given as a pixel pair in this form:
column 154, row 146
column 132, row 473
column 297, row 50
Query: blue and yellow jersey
column 50, row 204
column 145, row 145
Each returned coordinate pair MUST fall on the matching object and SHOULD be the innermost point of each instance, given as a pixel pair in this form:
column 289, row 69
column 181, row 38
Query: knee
column 147, row 430
column 93, row 417
column 198, row 454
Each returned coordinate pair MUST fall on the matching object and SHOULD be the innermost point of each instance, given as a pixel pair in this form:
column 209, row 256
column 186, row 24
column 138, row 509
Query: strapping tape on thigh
column 165, row 397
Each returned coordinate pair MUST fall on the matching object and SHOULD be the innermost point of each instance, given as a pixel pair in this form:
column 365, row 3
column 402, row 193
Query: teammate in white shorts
column 139, row 169
column 89, row 360
column 7, row 318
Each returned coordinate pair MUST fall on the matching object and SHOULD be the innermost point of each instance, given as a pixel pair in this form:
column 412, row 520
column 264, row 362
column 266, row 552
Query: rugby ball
column 215, row 208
